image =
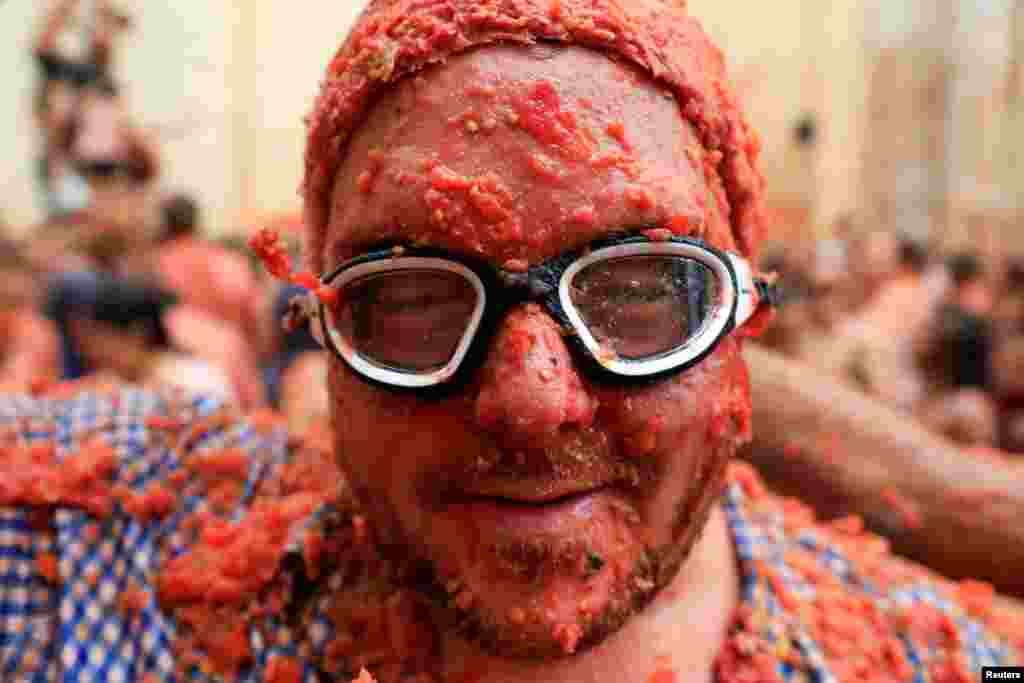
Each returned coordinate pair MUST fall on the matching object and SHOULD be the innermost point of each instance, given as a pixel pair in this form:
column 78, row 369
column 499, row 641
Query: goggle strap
column 767, row 292
column 753, row 292
column 304, row 309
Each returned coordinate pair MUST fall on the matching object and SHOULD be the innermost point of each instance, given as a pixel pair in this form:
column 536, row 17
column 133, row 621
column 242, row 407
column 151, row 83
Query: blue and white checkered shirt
column 73, row 630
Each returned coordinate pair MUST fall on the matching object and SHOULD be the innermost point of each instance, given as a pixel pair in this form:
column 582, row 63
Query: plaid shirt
column 75, row 631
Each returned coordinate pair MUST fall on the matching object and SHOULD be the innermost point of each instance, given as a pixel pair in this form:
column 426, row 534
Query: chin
column 547, row 598
column 580, row 617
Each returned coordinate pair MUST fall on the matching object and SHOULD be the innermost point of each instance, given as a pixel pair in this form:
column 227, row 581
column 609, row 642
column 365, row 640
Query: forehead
column 521, row 153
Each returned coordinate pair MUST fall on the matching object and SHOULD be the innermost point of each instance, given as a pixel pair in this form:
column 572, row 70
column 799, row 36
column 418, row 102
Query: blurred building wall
column 222, row 86
column 793, row 62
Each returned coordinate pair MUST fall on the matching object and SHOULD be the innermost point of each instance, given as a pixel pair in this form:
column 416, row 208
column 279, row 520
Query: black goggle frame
column 546, row 284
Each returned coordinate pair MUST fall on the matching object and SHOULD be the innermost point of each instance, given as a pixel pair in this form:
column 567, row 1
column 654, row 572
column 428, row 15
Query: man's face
column 547, row 507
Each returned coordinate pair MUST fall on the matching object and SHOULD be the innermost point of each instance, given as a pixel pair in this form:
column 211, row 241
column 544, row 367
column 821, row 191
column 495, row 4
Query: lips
column 575, row 463
column 534, row 492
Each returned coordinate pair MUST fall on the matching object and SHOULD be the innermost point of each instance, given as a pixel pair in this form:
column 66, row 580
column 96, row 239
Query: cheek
column 384, row 438
column 707, row 405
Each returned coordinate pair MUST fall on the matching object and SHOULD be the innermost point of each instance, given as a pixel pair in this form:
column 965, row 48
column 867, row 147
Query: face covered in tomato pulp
column 546, row 506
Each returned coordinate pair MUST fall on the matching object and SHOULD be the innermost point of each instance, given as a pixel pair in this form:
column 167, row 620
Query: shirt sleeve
column 80, row 567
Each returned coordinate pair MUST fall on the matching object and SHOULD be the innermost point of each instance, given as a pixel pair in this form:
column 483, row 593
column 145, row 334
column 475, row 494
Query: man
column 125, row 325
column 874, row 348
column 208, row 275
column 94, row 157
column 28, row 343
column 212, row 279
column 535, row 391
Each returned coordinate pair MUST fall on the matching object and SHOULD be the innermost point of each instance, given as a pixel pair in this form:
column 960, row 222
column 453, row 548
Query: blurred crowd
column 120, row 280
column 936, row 333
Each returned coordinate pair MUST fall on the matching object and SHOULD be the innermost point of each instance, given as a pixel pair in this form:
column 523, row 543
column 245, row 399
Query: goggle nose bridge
column 529, row 286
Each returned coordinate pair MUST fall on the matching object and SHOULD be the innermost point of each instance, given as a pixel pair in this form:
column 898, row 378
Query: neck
column 679, row 634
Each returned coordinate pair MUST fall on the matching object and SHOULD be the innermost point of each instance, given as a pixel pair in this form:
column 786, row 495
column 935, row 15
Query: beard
column 539, row 570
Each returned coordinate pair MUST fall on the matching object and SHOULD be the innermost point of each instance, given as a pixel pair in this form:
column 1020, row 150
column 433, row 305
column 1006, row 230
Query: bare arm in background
column 194, row 331
column 32, row 350
column 844, row 453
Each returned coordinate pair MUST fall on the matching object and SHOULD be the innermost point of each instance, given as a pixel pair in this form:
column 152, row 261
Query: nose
column 529, row 388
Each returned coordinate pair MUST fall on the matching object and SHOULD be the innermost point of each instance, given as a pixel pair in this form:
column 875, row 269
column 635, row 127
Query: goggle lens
column 641, row 307
column 415, row 318
column 405, row 320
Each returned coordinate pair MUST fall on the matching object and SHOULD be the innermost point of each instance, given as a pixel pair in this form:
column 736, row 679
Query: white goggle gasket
column 738, row 300
column 712, row 329
column 375, row 371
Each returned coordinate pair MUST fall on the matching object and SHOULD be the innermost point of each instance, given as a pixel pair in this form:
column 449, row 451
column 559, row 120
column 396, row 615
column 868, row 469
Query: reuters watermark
column 1002, row 673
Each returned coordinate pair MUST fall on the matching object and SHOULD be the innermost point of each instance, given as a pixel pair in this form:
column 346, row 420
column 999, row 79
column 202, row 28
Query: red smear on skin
column 568, row 636
column 491, row 200
column 481, row 90
column 40, row 386
column 758, row 322
column 306, row 280
column 544, row 168
column 641, row 198
column 658, row 235
column 662, row 676
column 792, row 450
column 906, row 509
column 746, row 476
column 617, row 131
column 313, row 547
column 584, row 215
column 445, row 179
column 541, row 115
column 364, row 183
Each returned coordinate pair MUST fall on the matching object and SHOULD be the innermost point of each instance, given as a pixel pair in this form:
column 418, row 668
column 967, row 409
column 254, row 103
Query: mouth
column 533, row 493
column 527, row 516
column 537, row 503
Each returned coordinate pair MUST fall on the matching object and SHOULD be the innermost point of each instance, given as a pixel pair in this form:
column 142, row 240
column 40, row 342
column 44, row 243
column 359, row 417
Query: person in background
column 965, row 334
column 1008, row 313
column 129, row 328
column 29, row 349
column 213, row 279
column 874, row 347
column 873, row 260
column 91, row 150
column 297, row 369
